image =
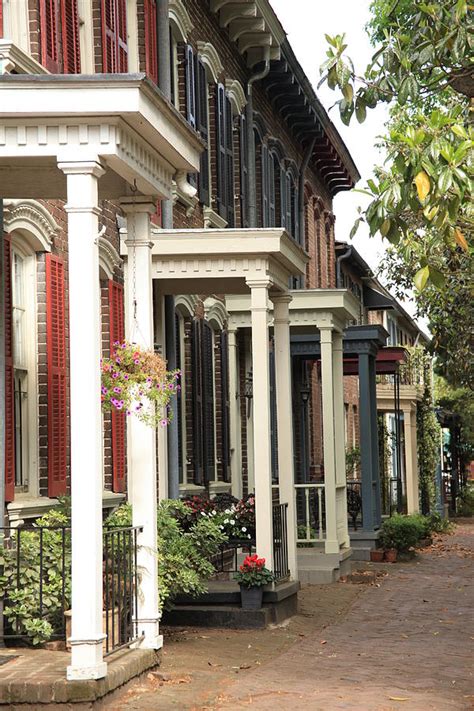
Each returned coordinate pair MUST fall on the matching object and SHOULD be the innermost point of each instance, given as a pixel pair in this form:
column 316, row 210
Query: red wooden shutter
column 49, row 23
column 122, row 44
column 9, row 382
column 151, row 45
column 117, row 329
column 70, row 37
column 114, row 36
column 57, row 376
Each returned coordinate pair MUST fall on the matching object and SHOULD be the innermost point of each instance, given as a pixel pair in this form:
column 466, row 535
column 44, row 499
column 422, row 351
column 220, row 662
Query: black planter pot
column 251, row 598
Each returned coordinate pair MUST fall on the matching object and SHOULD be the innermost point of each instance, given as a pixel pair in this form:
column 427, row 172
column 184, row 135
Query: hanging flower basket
column 135, row 381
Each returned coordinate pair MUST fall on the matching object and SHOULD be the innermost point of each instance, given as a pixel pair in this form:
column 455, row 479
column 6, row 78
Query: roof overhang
column 224, row 261
column 123, row 120
column 253, row 26
column 310, row 309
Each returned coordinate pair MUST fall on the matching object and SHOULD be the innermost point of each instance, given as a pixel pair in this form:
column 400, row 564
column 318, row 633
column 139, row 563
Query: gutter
column 252, row 179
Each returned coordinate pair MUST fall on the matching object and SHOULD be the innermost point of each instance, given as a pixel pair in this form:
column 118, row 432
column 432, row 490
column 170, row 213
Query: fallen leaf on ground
column 323, row 641
column 399, row 698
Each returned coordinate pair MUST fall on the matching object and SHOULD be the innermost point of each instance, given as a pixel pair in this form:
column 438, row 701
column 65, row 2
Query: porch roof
column 309, row 309
column 122, row 120
column 224, row 261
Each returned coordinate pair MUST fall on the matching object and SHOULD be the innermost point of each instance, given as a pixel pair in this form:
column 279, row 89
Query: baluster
column 308, row 518
column 320, row 512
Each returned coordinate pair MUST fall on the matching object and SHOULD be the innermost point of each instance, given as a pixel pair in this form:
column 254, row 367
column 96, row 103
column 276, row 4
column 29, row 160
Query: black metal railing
column 120, row 587
column 35, row 575
column 280, row 541
column 354, row 503
column 230, row 556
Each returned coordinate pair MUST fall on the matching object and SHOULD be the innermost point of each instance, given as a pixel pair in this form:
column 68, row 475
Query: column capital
column 259, row 283
column 281, row 298
column 82, row 167
column 133, row 243
column 132, row 204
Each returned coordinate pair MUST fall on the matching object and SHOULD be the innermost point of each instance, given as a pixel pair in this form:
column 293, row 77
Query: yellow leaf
column 399, row 698
column 423, row 184
column 460, row 239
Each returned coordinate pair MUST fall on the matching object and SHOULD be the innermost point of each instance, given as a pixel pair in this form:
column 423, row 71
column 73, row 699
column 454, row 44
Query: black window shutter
column 221, row 153
column 289, row 222
column 178, row 413
column 283, row 198
column 203, row 128
column 172, row 70
column 190, row 86
column 225, row 404
column 208, row 403
column 196, row 370
column 273, row 419
column 271, row 191
column 265, row 184
column 229, row 168
column 244, row 172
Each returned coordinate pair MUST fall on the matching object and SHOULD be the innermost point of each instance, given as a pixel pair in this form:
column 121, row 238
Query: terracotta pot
column 376, row 555
column 391, row 555
column 251, row 598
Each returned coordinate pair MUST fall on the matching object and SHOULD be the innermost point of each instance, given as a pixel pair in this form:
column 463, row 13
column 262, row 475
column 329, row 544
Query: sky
column 306, row 22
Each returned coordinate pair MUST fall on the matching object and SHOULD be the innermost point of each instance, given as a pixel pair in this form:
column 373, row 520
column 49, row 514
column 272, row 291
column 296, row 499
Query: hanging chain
column 134, row 257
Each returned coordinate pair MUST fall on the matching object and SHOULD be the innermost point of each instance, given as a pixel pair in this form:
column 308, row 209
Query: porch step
column 318, row 568
column 361, row 552
column 318, row 575
column 224, row 616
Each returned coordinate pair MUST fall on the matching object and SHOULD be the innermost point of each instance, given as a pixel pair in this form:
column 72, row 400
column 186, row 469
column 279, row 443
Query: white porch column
column 141, row 442
column 86, row 420
column 339, row 440
column 235, row 461
column 281, row 330
column 411, row 462
column 329, row 438
column 261, row 420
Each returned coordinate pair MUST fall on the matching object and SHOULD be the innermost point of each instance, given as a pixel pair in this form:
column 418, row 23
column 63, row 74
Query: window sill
column 212, row 219
column 27, row 507
column 186, row 490
column 220, row 487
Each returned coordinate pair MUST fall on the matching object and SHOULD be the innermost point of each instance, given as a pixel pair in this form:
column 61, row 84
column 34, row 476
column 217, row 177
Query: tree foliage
column 422, row 67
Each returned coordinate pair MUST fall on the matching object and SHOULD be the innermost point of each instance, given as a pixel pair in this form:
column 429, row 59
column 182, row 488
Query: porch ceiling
column 223, row 261
column 309, row 309
column 131, row 128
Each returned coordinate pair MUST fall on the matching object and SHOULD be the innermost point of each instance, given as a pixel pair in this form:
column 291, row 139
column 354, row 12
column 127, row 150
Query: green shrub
column 22, row 602
column 439, row 524
column 465, row 504
column 402, row 532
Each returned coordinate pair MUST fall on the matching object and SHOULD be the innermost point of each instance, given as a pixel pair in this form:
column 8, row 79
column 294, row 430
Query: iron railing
column 280, row 541
column 231, row 555
column 121, row 624
column 354, row 503
column 35, row 574
column 310, row 513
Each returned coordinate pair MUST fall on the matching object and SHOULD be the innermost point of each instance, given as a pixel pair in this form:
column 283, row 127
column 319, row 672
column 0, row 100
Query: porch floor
column 38, row 677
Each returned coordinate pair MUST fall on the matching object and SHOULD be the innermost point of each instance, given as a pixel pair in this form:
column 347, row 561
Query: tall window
column 20, row 370
column 244, row 172
column 151, row 41
column 197, row 114
column 59, row 36
column 202, row 374
column 114, row 36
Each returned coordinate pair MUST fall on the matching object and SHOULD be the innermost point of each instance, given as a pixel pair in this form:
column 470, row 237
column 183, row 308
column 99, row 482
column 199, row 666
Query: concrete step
column 361, row 552
column 318, row 576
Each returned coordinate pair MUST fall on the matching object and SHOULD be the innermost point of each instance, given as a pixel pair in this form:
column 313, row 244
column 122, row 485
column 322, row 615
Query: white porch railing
column 310, row 513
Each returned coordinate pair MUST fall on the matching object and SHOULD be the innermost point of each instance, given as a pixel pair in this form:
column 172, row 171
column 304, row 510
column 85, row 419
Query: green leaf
column 404, row 91
column 421, row 277
column 437, row 277
column 445, row 180
column 348, row 92
column 459, row 131
column 355, row 227
column 361, row 111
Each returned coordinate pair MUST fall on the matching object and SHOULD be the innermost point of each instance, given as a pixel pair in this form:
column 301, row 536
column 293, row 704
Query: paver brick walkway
column 406, row 644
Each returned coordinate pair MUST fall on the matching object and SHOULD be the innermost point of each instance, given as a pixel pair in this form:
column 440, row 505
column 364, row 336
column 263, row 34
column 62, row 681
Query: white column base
column 152, row 640
column 83, row 652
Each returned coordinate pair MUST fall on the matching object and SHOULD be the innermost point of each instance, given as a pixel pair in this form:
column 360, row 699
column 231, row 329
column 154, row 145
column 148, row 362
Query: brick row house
column 195, row 218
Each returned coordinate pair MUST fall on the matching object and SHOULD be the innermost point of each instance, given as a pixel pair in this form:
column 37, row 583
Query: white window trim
column 180, row 20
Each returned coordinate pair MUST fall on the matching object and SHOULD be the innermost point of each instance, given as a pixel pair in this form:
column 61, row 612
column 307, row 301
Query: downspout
column 252, row 178
column 347, row 254
column 303, row 168
column 2, row 400
column 164, row 80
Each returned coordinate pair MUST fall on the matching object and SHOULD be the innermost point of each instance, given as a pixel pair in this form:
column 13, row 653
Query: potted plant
column 400, row 534
column 252, row 577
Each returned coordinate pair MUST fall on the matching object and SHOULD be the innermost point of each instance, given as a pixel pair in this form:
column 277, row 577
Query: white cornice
column 236, row 95
column 14, row 59
column 210, row 59
column 180, row 17
column 109, row 258
column 31, row 217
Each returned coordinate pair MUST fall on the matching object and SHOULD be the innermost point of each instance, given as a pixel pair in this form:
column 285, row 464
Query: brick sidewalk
column 405, row 645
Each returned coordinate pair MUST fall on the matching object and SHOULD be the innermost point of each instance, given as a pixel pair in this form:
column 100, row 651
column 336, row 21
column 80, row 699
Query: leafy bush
column 22, row 601
column 439, row 524
column 465, row 506
column 402, row 532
